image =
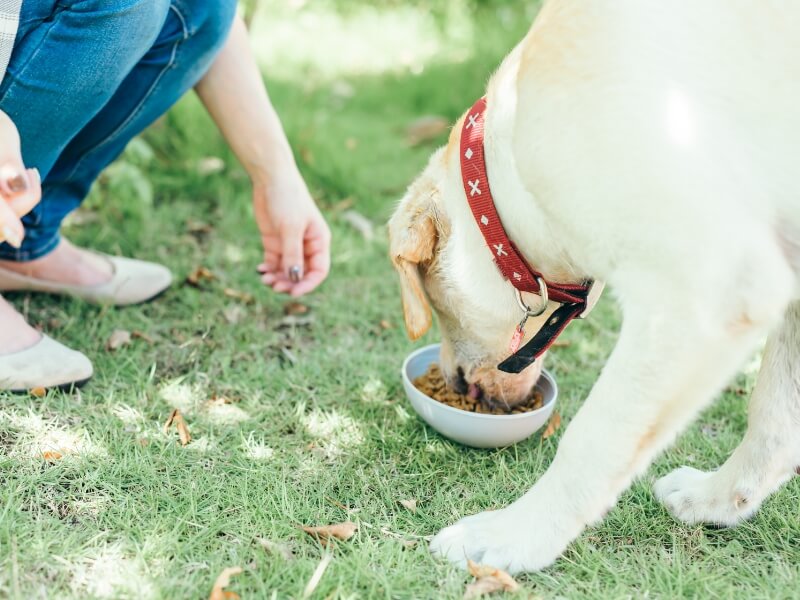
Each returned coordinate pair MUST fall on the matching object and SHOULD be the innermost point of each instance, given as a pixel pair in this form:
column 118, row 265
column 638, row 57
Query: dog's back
column 663, row 111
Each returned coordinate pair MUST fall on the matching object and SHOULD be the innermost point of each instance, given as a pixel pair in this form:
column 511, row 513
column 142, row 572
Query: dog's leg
column 769, row 453
column 674, row 353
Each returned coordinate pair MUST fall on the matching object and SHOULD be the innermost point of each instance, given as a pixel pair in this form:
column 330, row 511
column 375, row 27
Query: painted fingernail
column 295, row 274
column 17, row 184
column 12, row 237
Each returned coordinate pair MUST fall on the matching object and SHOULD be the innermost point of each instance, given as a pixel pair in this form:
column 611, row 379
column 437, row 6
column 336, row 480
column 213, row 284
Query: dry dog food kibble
column 432, row 384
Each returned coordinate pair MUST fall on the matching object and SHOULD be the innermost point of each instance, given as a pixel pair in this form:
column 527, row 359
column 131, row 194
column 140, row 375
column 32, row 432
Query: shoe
column 132, row 282
column 47, row 364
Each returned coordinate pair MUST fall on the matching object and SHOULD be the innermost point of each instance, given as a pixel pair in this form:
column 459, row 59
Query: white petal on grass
column 112, row 574
column 128, row 414
column 224, row 413
column 201, row 445
column 333, row 432
column 36, row 436
column 374, row 391
column 257, row 449
column 183, row 396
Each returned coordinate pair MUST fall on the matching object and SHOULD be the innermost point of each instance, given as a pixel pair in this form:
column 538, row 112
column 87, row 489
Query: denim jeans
column 85, row 77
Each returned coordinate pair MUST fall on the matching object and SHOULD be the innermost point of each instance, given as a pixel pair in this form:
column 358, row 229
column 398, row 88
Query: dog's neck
column 524, row 220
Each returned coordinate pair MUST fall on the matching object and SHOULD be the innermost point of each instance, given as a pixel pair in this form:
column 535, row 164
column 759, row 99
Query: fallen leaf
column 360, row 223
column 343, row 204
column 488, row 580
column 553, row 425
column 176, row 418
column 386, row 325
column 210, row 165
column 273, row 548
column 410, row 504
column 118, row 339
column 562, row 344
column 426, row 129
column 340, row 531
column 52, row 456
column 238, row 295
column 141, row 335
column 198, row 228
column 39, row 392
column 199, row 275
column 295, row 308
column 224, row 580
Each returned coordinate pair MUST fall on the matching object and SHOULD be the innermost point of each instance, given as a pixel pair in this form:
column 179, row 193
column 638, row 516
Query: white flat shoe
column 132, row 282
column 47, row 364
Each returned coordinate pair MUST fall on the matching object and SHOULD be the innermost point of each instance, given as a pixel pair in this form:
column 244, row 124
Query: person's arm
column 293, row 231
column 20, row 188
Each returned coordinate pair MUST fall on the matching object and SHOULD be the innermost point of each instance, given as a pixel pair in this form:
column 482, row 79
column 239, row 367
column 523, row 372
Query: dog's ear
column 413, row 236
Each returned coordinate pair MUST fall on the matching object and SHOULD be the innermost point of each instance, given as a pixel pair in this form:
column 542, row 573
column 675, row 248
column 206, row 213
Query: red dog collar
column 576, row 299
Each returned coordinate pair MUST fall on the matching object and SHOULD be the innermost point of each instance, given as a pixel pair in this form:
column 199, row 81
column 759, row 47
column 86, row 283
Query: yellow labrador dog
column 655, row 146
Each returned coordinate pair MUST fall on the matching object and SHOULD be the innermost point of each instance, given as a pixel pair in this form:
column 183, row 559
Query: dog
column 652, row 146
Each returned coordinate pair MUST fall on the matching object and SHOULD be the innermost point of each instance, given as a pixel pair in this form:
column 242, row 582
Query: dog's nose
column 459, row 383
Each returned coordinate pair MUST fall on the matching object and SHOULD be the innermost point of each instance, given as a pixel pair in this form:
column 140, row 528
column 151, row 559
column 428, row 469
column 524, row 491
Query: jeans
column 85, row 77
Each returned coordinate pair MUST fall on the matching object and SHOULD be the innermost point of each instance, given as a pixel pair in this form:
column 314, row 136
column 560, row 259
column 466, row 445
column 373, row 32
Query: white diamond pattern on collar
column 468, row 153
column 484, row 220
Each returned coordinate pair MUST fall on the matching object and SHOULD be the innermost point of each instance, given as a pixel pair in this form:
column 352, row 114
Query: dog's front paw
column 504, row 539
column 694, row 496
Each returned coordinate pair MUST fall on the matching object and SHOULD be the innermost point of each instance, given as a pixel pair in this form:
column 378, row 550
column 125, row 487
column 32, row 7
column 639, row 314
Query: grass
column 317, row 429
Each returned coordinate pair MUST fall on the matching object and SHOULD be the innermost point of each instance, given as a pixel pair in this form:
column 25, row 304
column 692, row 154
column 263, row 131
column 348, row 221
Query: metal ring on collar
column 529, row 312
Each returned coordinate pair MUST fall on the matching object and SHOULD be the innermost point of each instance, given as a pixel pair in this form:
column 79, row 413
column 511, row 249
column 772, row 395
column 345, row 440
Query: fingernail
column 294, row 274
column 17, row 184
column 35, row 171
column 11, row 236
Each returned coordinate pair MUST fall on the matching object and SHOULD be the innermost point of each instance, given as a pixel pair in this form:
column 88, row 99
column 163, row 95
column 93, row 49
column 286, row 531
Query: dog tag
column 516, row 338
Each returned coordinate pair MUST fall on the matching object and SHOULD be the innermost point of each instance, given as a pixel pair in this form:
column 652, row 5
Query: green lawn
column 317, row 429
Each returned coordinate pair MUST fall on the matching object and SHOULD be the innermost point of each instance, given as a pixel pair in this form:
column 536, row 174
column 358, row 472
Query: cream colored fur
column 653, row 145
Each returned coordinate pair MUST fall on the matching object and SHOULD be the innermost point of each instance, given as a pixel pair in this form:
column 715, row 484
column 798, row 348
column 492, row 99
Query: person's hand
column 296, row 237
column 20, row 188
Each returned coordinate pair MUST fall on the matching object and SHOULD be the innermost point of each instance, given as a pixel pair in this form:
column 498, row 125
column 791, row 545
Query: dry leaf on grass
column 426, row 128
column 218, row 592
column 410, row 504
column 52, row 456
column 340, row 531
column 386, row 325
column 552, row 425
column 176, row 418
column 118, row 339
column 39, row 392
column 487, row 581
column 199, row 275
column 343, row 204
column 210, row 165
column 295, row 308
column 141, row 335
column 238, row 295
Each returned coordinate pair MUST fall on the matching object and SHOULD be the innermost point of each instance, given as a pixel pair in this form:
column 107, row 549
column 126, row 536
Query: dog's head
column 443, row 263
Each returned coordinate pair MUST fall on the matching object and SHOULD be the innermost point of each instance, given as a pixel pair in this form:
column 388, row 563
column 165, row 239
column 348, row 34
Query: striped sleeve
column 9, row 19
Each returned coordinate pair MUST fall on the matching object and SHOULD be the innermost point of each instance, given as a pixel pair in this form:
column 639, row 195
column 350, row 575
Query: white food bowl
column 474, row 429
